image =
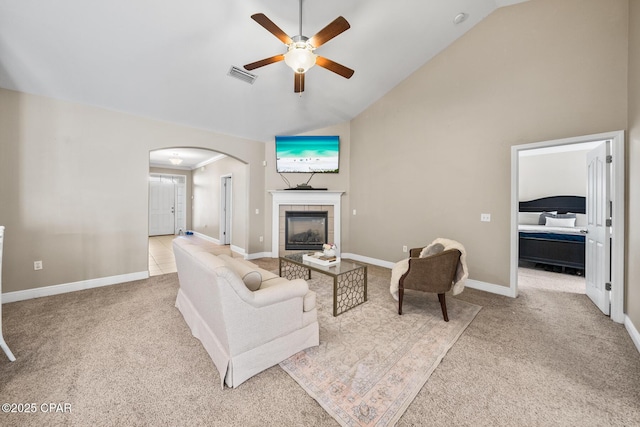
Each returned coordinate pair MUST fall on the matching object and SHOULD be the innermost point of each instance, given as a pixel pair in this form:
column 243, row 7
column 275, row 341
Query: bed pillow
column 560, row 222
column 529, row 218
column 581, row 220
column 542, row 219
column 567, row 215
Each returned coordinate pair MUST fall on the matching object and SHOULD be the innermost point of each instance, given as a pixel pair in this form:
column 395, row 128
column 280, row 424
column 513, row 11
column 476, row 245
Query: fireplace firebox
column 306, row 230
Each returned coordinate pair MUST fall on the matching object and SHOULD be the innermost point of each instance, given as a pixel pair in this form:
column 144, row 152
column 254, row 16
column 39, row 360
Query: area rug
column 371, row 362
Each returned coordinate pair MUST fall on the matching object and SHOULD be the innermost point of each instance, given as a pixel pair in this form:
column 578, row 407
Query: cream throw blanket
column 437, row 246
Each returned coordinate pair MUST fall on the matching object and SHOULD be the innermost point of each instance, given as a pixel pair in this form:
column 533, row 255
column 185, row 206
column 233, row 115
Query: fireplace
column 306, row 230
column 283, row 201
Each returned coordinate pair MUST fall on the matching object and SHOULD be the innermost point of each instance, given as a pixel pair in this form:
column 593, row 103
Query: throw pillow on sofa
column 251, row 277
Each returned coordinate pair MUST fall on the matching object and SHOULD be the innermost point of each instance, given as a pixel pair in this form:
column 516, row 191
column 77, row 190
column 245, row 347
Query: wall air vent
column 241, row 74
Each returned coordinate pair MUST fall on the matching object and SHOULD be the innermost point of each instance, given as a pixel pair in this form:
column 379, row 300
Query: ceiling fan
column 300, row 54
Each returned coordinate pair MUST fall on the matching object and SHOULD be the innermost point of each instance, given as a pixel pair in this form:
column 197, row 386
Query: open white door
column 161, row 207
column 598, row 238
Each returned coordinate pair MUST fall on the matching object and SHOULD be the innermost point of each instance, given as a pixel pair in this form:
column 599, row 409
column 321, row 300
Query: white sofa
column 245, row 331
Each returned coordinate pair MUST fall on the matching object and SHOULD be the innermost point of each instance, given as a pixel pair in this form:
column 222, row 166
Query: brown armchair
column 434, row 273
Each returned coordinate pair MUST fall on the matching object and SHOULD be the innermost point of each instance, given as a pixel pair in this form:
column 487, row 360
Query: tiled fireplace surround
column 310, row 200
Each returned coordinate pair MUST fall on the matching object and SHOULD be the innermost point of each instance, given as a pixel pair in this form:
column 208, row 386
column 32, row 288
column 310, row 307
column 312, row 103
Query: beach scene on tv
column 311, row 154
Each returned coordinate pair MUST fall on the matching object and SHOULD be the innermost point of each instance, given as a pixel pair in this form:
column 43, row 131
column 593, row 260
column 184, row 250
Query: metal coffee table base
column 349, row 284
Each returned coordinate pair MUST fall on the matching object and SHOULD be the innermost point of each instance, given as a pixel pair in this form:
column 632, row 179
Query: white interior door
column 598, row 248
column 161, row 207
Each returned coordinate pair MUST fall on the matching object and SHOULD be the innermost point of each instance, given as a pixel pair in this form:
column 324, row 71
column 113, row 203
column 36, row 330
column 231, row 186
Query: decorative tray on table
column 321, row 259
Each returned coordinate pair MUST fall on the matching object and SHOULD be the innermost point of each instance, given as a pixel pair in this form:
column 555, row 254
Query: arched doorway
column 185, row 196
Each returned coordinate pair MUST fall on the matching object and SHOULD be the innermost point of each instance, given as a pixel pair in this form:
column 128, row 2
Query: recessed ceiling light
column 461, row 17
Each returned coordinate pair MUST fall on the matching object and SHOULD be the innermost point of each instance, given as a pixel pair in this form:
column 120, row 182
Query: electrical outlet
column 37, row 265
column 485, row 217
column 404, row 249
column 257, row 211
column 261, row 239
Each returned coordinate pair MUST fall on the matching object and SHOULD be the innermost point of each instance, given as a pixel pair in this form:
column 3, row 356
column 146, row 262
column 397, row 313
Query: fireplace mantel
column 303, row 197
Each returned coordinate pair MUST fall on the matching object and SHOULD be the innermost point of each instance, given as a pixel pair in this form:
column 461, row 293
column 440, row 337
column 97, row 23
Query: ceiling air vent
column 241, row 74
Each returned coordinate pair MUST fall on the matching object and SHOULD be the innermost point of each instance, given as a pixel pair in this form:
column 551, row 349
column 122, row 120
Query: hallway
column 161, row 260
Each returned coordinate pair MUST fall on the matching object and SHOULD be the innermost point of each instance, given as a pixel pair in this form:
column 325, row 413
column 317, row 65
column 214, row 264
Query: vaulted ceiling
column 169, row 60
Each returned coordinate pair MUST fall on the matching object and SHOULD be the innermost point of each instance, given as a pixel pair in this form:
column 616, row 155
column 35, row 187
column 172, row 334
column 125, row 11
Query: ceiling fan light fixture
column 300, row 54
column 300, row 57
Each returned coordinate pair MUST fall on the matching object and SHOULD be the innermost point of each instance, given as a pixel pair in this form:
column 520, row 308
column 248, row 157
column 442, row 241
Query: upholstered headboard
column 562, row 204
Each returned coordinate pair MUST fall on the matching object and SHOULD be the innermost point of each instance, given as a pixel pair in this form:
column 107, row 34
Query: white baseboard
column 239, row 250
column 259, row 255
column 489, row 287
column 633, row 332
column 368, row 260
column 207, row 238
column 236, row 249
column 72, row 287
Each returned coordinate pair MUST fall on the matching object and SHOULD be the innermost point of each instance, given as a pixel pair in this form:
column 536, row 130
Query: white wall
column 555, row 174
column 206, row 199
column 74, row 186
column 434, row 153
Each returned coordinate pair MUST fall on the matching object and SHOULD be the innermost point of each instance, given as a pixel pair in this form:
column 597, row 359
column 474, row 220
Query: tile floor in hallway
column 161, row 260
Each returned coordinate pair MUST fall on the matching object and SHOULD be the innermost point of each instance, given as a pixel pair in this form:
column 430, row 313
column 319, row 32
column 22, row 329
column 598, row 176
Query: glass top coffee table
column 349, row 279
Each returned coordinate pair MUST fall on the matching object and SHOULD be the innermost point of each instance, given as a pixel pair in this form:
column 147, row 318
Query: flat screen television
column 307, row 154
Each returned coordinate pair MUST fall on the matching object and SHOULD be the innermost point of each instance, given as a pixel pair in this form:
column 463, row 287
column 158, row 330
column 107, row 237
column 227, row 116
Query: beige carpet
column 371, row 362
column 531, row 276
column 123, row 356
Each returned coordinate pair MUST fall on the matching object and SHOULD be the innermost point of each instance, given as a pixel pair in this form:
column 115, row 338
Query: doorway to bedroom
column 552, row 184
column 571, row 186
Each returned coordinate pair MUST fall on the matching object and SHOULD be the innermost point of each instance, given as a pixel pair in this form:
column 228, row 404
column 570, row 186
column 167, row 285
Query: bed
column 558, row 242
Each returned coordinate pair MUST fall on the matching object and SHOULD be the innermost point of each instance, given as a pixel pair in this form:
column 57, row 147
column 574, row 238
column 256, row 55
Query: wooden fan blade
column 338, row 26
column 330, row 65
column 264, row 62
column 298, row 82
column 268, row 25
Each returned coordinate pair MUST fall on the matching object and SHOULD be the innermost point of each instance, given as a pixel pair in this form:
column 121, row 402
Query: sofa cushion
column 272, row 282
column 266, row 274
column 218, row 250
column 209, row 259
column 249, row 275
